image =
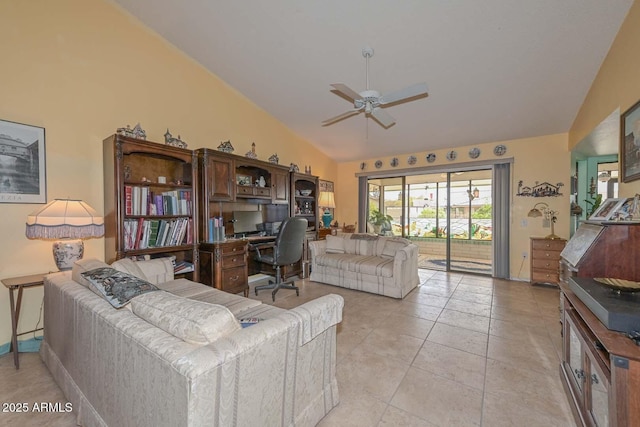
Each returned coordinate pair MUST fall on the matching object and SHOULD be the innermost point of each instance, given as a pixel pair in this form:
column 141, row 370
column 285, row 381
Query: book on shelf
column 181, row 267
column 144, row 233
column 128, row 200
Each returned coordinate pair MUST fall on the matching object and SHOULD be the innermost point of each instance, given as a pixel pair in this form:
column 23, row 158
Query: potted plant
column 377, row 219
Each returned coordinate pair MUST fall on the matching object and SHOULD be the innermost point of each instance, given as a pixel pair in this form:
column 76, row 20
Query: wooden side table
column 20, row 283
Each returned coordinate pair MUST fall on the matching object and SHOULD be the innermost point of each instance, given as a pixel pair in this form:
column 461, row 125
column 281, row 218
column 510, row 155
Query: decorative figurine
column 274, row 159
column 174, row 142
column 252, row 154
column 137, row 132
column 225, row 147
column 294, row 168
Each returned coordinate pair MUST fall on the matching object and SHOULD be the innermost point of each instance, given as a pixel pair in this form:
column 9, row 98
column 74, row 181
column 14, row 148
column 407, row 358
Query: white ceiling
column 496, row 69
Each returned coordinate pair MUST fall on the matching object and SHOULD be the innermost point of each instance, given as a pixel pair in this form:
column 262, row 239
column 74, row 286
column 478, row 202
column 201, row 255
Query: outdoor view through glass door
column 448, row 215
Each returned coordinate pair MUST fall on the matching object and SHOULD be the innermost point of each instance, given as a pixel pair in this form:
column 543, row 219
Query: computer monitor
column 246, row 221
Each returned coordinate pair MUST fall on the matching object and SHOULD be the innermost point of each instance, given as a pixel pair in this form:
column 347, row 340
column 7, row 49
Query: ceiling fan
column 371, row 102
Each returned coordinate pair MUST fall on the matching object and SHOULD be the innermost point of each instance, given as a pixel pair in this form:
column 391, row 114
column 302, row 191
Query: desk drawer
column 234, row 280
column 233, row 249
column 233, row 260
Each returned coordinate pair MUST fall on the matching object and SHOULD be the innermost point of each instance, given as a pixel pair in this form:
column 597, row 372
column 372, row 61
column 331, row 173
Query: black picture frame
column 630, row 144
column 23, row 176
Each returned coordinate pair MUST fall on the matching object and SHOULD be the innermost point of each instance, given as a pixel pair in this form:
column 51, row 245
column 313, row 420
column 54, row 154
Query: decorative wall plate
column 394, row 162
column 431, row 157
column 451, row 155
column 474, row 153
column 499, row 150
column 412, row 160
column 378, row 164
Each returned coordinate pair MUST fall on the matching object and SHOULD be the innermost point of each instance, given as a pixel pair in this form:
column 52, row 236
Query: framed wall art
column 22, row 163
column 630, row 144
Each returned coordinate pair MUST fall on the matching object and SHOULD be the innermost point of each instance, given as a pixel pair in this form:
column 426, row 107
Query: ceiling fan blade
column 346, row 91
column 341, row 117
column 412, row 91
column 382, row 117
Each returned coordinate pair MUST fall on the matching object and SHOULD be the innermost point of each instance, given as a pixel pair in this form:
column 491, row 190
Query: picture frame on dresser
column 630, row 144
column 607, row 209
column 23, row 176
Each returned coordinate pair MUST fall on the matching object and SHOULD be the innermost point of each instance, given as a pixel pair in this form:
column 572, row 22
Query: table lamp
column 67, row 222
column 542, row 209
column 327, row 202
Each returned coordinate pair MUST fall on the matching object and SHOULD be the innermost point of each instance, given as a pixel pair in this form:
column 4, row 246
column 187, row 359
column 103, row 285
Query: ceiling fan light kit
column 371, row 102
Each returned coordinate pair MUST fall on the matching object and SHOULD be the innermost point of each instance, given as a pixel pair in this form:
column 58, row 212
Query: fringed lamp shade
column 327, row 202
column 65, row 219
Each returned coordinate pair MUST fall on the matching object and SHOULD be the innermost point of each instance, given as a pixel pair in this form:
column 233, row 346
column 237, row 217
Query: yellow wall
column 544, row 158
column 616, row 85
column 81, row 69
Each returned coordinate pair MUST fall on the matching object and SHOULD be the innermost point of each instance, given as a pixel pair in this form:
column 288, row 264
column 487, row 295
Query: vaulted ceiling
column 496, row 69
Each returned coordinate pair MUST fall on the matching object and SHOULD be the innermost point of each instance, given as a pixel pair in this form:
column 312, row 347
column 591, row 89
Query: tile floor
column 460, row 350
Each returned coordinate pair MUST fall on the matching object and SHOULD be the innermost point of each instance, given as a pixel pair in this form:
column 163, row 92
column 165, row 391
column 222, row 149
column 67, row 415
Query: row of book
column 141, row 200
column 146, row 233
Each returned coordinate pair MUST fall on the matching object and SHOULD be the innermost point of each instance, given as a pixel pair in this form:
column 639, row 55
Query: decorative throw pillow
column 195, row 322
column 157, row 270
column 130, row 266
column 335, row 245
column 83, row 265
column 117, row 287
column 391, row 247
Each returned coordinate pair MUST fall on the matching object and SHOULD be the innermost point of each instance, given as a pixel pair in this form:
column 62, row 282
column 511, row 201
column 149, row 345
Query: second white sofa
column 377, row 264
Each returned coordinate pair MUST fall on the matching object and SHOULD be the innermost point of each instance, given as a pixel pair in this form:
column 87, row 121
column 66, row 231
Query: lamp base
column 327, row 218
column 552, row 237
column 66, row 252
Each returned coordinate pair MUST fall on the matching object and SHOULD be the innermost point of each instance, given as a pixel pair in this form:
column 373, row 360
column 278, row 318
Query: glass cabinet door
column 599, row 397
column 576, row 355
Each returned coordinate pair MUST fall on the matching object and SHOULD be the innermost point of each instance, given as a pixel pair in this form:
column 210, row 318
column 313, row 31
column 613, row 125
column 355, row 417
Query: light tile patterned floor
column 460, row 350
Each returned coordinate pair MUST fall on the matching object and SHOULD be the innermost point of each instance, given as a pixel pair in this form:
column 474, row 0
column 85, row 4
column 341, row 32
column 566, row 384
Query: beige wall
column 81, row 69
column 616, row 86
column 541, row 159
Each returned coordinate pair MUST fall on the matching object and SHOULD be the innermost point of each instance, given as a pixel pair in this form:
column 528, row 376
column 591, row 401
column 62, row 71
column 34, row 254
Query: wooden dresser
column 545, row 260
column 223, row 265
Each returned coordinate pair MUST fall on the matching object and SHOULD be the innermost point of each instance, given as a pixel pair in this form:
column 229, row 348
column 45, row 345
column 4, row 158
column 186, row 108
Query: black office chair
column 287, row 249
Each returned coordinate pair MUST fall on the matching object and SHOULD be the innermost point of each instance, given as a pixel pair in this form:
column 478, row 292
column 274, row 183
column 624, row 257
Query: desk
column 20, row 283
column 223, row 265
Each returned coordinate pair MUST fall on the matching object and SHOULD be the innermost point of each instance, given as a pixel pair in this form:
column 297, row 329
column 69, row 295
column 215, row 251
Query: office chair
column 287, row 249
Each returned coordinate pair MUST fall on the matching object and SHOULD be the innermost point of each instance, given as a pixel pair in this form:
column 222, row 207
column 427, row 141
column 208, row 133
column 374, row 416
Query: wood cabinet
column 545, row 260
column 223, row 265
column 600, row 368
column 280, row 178
column 149, row 201
column 304, row 203
column 603, row 249
column 217, row 177
column 304, row 200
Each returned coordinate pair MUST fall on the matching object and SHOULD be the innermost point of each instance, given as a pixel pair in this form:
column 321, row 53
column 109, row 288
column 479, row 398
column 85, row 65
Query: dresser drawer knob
column 234, row 278
column 547, row 254
column 547, row 265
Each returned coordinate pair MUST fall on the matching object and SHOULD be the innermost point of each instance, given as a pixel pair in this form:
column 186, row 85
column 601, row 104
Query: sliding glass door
column 448, row 215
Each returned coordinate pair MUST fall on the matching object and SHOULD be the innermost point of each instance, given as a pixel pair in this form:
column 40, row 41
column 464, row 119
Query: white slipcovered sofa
column 377, row 264
column 120, row 369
